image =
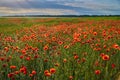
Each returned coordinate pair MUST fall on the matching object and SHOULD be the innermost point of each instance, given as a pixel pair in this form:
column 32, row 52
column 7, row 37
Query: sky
column 59, row 7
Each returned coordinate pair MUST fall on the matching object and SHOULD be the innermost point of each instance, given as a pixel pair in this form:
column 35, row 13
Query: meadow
column 86, row 48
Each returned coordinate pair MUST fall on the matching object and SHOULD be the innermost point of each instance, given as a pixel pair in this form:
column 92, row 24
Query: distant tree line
column 63, row 16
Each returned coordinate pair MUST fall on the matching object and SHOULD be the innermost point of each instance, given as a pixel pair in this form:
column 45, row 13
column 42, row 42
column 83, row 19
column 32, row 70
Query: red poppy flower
column 12, row 67
column 52, row 70
column 47, row 73
column 33, row 72
column 76, row 57
column 10, row 75
column 6, row 49
column 97, row 72
column 46, row 47
column 105, row 57
column 70, row 77
column 113, row 66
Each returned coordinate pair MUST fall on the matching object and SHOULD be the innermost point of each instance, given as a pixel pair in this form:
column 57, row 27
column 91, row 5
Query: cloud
column 97, row 7
column 60, row 7
column 93, row 5
column 38, row 4
column 46, row 11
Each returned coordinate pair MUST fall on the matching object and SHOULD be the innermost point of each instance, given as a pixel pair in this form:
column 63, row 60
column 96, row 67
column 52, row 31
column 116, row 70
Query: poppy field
column 60, row 48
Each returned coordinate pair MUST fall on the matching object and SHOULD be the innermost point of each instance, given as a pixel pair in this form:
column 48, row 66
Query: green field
column 82, row 48
column 9, row 25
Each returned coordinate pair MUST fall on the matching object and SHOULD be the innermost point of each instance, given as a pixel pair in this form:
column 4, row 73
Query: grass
column 84, row 48
column 9, row 25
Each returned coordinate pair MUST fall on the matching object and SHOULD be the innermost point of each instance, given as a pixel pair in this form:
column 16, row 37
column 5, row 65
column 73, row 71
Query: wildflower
column 2, row 58
column 97, row 45
column 23, row 51
column 83, row 60
column 28, row 58
column 21, row 57
column 12, row 67
column 66, row 46
column 60, row 42
column 76, row 35
column 10, row 75
column 102, row 54
column 6, row 49
column 56, row 64
column 33, row 72
column 104, row 46
column 108, row 50
column 52, row 70
column 36, row 56
column 113, row 66
column 85, row 36
column 46, row 47
column 78, row 61
column 30, row 75
column 46, row 35
column 95, row 33
column 16, row 72
column 76, row 56
column 105, row 57
column 70, row 77
column 97, row 72
column 115, row 46
column 47, row 73
column 53, row 38
column 45, row 60
column 23, row 70
column 64, row 60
